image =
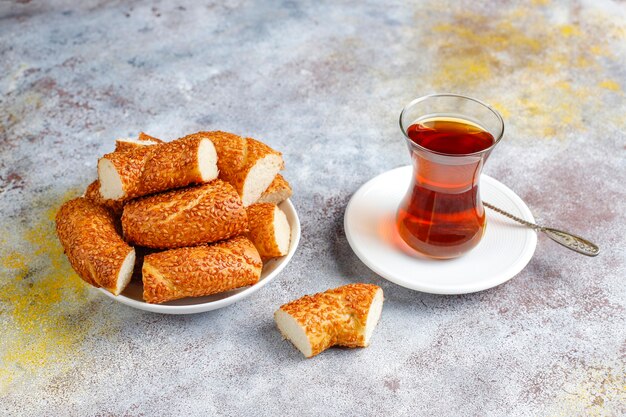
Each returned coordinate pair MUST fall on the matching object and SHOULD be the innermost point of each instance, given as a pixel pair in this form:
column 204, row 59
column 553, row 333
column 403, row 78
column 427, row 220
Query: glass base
column 438, row 251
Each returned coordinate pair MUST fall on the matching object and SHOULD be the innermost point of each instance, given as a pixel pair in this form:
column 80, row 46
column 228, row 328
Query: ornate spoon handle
column 569, row 240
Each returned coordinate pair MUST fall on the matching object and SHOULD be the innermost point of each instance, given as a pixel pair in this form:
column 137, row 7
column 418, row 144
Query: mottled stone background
column 324, row 83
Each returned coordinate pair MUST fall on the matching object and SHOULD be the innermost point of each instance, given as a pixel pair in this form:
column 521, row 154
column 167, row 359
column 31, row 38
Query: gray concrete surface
column 324, row 83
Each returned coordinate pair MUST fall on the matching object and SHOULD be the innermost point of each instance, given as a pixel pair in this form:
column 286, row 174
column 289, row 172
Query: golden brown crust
column 185, row 217
column 261, row 230
column 172, row 165
column 231, row 151
column 123, row 146
column 91, row 242
column 278, row 191
column 335, row 317
column 237, row 156
column 201, row 270
column 150, row 169
column 92, row 193
column 146, row 137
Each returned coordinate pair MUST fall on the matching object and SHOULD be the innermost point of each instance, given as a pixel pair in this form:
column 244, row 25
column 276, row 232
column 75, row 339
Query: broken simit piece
column 249, row 165
column 200, row 270
column 93, row 246
column 343, row 316
column 163, row 166
column 185, row 217
column 269, row 230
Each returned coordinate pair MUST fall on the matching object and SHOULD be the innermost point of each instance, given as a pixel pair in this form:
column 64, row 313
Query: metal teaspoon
column 569, row 240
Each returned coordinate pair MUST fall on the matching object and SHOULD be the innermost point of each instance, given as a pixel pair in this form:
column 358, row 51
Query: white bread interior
column 260, row 177
column 126, row 272
column 134, row 142
column 110, row 181
column 278, row 191
column 207, row 160
column 291, row 329
column 282, row 231
column 373, row 316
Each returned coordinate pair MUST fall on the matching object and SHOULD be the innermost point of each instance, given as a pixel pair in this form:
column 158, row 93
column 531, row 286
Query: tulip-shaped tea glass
column 449, row 137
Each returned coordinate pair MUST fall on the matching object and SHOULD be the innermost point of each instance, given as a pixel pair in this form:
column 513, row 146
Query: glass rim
column 423, row 98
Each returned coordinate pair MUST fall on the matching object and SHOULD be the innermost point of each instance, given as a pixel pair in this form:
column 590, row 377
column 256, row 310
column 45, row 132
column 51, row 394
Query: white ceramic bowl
column 132, row 295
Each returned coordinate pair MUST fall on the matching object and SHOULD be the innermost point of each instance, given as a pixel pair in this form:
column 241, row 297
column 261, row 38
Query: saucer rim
column 474, row 286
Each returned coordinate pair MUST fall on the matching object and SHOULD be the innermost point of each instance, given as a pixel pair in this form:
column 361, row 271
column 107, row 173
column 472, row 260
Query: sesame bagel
column 185, row 217
column 343, row 316
column 144, row 170
column 269, row 230
column 249, row 165
column 231, row 151
column 93, row 246
column 200, row 270
column 278, row 191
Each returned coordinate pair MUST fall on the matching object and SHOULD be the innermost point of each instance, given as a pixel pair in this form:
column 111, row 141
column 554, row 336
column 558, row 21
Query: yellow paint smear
column 40, row 297
column 569, row 30
column 597, row 391
column 542, row 75
column 610, row 85
column 501, row 109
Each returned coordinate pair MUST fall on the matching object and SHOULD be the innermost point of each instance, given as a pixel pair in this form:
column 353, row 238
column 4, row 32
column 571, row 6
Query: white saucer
column 133, row 294
column 504, row 250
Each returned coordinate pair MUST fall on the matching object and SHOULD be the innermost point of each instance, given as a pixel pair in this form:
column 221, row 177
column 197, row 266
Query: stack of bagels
column 195, row 216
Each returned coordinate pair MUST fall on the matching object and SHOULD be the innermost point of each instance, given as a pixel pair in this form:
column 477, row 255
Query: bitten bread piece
column 344, row 316
column 92, row 193
column 151, row 169
column 201, row 270
column 278, row 191
column 93, row 246
column 249, row 165
column 185, row 217
column 269, row 230
column 127, row 144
